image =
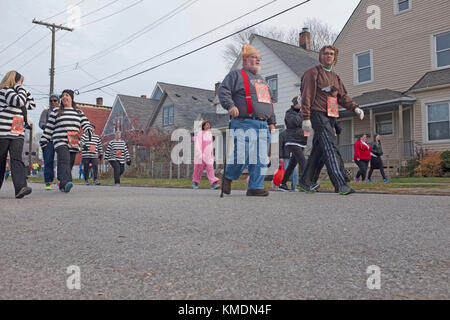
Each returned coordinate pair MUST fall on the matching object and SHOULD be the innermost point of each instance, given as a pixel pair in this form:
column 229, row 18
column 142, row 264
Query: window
column 272, row 81
column 442, row 49
column 158, row 93
column 401, row 6
column 383, row 124
column 363, row 67
column 168, row 115
column 118, row 124
column 438, row 121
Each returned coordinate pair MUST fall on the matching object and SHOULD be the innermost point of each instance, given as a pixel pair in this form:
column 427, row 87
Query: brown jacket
column 313, row 98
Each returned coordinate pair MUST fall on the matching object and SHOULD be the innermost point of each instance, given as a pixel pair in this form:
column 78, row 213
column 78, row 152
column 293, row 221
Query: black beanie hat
column 69, row 92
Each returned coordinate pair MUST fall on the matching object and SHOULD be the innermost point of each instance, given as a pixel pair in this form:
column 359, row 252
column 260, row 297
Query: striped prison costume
column 58, row 129
column 94, row 146
column 117, row 151
column 12, row 103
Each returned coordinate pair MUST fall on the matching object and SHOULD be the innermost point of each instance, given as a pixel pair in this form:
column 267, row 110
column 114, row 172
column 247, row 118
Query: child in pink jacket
column 204, row 157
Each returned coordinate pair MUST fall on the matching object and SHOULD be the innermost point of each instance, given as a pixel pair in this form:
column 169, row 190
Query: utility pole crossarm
column 51, row 25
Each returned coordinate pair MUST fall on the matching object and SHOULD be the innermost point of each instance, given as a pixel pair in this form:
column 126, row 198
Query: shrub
column 429, row 165
column 445, row 157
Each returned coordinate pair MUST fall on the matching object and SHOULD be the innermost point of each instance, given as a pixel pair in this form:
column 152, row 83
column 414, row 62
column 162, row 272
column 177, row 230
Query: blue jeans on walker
column 48, row 154
column 294, row 175
column 251, row 144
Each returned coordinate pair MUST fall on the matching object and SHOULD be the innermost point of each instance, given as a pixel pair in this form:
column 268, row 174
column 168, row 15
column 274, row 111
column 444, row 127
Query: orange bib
column 262, row 93
column 119, row 153
column 92, row 148
column 332, row 107
column 18, row 125
column 73, row 138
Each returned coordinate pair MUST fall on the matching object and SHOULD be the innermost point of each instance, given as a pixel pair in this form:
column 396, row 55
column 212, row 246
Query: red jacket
column 362, row 150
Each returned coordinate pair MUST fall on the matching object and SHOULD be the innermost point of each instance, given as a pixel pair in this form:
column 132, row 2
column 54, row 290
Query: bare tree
column 321, row 34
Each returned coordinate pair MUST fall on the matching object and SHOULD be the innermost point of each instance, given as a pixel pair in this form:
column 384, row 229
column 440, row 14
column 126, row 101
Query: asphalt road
column 163, row 243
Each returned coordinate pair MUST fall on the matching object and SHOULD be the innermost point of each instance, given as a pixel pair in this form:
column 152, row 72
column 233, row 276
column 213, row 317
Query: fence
column 165, row 170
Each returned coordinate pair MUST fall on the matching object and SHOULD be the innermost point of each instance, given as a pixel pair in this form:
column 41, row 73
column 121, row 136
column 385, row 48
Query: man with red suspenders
column 248, row 99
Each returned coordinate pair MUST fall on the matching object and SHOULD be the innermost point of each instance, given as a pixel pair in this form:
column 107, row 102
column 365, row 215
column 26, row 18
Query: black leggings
column 66, row 160
column 297, row 156
column 362, row 165
column 118, row 168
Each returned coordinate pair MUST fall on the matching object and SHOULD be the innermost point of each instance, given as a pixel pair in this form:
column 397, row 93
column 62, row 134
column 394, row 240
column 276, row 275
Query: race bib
column 18, row 125
column 332, row 107
column 119, row 153
column 92, row 148
column 73, row 138
column 262, row 93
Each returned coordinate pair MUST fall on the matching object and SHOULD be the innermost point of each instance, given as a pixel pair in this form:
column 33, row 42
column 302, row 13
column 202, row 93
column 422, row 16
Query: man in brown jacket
column 322, row 91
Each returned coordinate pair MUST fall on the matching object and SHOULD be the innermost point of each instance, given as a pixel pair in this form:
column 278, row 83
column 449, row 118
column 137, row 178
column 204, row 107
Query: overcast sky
column 201, row 69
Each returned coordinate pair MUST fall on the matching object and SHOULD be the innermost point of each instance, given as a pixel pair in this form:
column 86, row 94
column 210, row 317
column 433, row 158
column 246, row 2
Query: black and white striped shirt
column 117, row 150
column 94, row 146
column 12, row 100
column 61, row 129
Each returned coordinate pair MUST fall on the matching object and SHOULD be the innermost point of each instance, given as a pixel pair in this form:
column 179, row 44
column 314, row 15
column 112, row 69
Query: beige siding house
column 394, row 59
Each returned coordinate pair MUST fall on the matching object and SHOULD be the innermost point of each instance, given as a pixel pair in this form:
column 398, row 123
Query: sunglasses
column 54, row 100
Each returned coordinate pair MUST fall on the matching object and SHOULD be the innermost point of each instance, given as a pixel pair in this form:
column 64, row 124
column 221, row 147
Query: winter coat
column 362, row 150
column 294, row 132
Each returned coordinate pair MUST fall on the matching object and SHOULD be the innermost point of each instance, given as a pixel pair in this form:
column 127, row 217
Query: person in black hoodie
column 295, row 141
column 375, row 159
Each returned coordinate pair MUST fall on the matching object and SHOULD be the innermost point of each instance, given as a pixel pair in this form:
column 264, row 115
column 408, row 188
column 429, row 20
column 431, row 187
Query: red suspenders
column 248, row 96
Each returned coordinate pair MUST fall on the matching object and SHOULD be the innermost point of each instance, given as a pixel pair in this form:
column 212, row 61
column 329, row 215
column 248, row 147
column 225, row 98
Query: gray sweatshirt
column 232, row 93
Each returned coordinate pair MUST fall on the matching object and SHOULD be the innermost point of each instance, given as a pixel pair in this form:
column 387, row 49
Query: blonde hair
column 336, row 53
column 9, row 80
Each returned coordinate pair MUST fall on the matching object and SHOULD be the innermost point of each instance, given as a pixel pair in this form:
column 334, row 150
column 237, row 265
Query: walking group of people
column 365, row 152
column 61, row 123
column 248, row 99
column 244, row 93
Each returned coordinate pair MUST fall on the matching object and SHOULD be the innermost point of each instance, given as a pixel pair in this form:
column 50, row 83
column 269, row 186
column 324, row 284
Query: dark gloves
column 128, row 162
column 85, row 148
column 337, row 127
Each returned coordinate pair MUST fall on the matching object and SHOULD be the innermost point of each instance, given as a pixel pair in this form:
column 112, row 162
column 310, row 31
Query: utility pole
column 53, row 27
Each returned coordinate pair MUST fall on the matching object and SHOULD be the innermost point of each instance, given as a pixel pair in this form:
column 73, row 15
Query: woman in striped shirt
column 63, row 128
column 14, row 102
column 116, row 153
column 91, row 151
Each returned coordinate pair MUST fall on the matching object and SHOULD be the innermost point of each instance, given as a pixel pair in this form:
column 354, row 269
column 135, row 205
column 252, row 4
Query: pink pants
column 198, row 171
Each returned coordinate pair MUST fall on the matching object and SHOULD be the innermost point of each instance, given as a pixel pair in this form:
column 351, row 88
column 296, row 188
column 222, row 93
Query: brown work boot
column 226, row 186
column 257, row 193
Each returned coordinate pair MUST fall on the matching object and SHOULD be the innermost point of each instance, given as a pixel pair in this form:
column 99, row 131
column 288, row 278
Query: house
column 179, row 106
column 399, row 74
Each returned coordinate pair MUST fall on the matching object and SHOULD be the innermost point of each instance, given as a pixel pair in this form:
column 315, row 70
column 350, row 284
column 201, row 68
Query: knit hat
column 69, row 92
column 248, row 50
column 295, row 100
column 54, row 95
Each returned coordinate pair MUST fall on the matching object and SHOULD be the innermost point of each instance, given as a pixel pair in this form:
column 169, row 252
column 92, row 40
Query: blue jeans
column 250, row 150
column 49, row 162
column 294, row 175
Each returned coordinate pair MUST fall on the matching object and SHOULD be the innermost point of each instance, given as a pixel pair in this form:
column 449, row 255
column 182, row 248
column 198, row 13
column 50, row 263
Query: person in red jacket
column 362, row 157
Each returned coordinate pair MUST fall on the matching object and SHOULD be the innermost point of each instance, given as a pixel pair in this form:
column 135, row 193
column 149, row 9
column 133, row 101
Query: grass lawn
column 325, row 185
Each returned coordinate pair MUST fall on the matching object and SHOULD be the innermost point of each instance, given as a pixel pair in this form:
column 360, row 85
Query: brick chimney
column 216, row 87
column 99, row 101
column 304, row 39
column 144, row 96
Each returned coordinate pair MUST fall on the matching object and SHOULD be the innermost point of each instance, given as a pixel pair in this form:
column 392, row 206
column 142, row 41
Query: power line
column 198, row 49
column 182, row 44
column 96, row 10
column 23, row 51
column 45, row 49
column 31, row 29
column 92, row 76
column 114, row 13
column 135, row 35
